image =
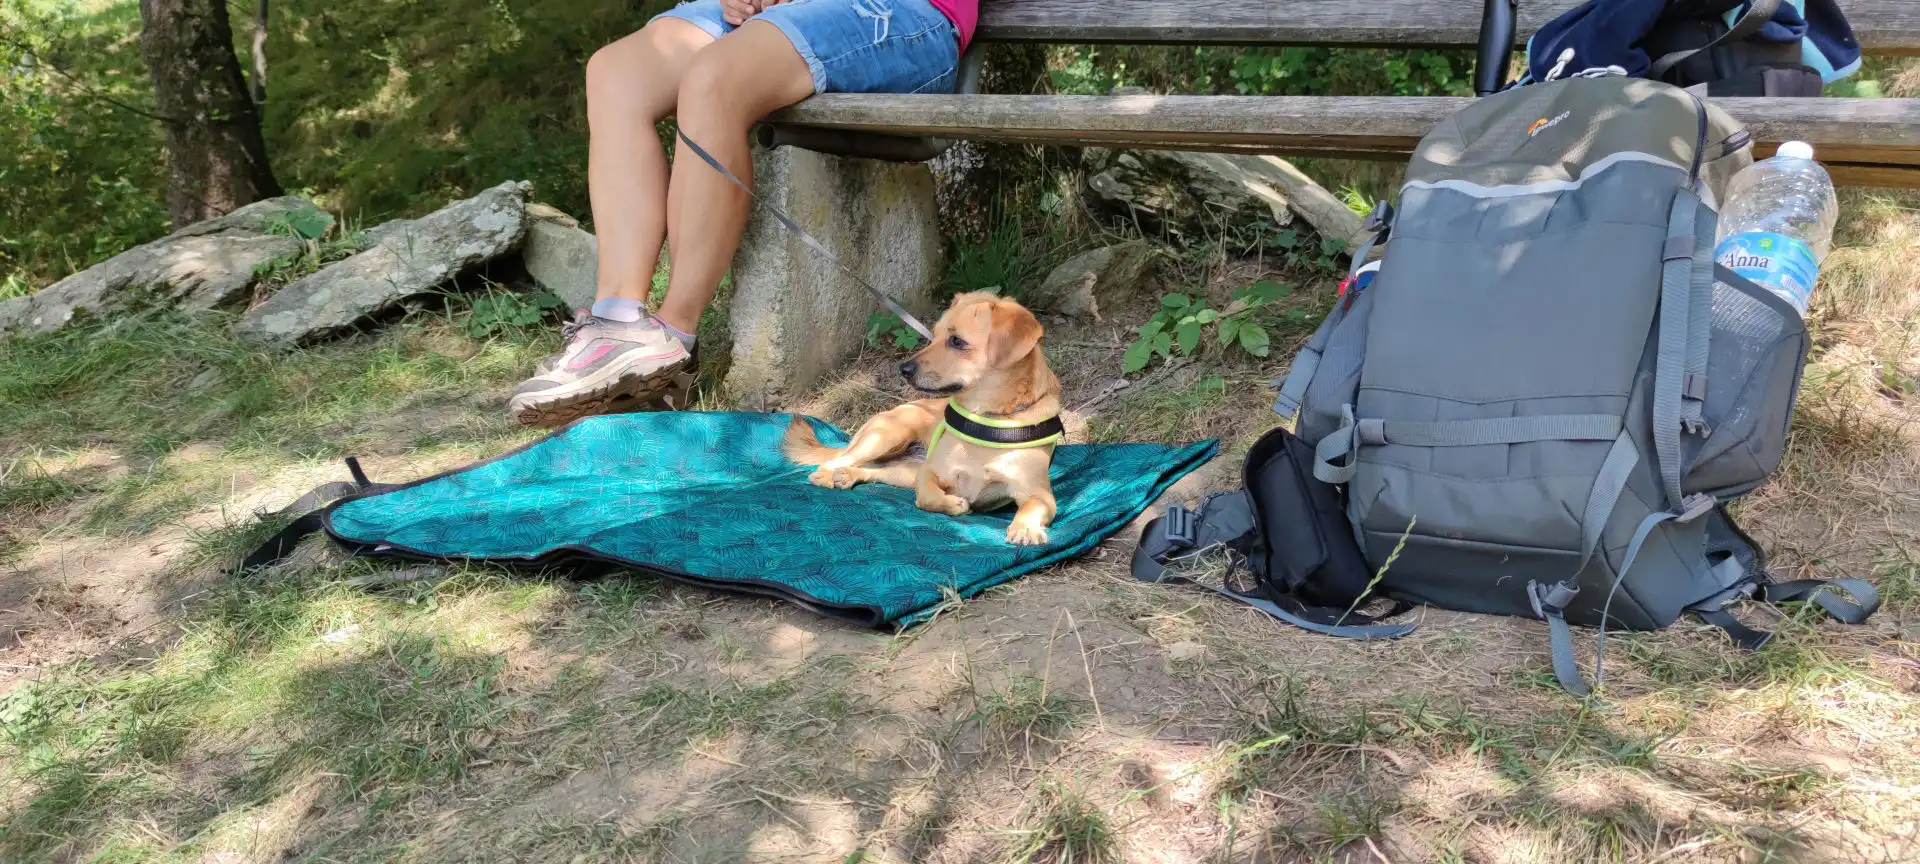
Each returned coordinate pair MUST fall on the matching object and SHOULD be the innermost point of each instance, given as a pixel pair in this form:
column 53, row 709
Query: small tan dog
column 986, row 354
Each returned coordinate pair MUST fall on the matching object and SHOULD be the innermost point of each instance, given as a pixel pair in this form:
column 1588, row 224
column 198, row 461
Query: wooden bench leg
column 795, row 316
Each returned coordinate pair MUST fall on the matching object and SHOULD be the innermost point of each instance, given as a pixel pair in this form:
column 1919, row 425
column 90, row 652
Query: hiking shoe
column 606, row 365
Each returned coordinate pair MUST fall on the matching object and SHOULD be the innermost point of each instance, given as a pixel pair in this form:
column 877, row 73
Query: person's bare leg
column 732, row 84
column 615, row 354
column 631, row 85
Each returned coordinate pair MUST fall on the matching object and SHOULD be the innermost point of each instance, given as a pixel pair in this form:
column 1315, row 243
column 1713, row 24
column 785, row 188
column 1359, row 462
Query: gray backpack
column 1542, row 402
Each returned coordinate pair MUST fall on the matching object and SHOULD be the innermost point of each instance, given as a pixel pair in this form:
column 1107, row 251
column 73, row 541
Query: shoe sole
column 672, row 386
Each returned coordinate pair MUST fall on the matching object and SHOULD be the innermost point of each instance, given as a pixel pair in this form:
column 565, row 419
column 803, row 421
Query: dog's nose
column 908, row 369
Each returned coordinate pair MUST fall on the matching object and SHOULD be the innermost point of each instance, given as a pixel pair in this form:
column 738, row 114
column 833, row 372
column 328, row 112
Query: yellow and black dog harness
column 1002, row 434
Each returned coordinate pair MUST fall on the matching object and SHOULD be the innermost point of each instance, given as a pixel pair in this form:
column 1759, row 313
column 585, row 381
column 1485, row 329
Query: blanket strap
column 312, row 508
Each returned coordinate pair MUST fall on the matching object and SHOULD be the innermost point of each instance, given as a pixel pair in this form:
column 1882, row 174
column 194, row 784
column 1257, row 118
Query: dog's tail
column 803, row 447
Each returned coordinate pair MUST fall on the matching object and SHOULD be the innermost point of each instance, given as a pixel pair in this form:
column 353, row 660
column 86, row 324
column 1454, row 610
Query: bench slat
column 1883, row 26
column 1851, row 135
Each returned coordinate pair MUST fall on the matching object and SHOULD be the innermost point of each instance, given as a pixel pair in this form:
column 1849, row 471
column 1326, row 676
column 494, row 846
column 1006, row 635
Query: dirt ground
column 153, row 709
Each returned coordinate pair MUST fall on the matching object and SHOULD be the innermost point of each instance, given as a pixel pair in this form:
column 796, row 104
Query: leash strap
column 795, row 229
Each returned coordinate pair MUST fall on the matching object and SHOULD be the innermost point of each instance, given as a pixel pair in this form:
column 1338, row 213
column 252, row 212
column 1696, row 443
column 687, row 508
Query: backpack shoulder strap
column 1307, row 361
column 1674, row 332
column 1759, row 12
column 1831, row 595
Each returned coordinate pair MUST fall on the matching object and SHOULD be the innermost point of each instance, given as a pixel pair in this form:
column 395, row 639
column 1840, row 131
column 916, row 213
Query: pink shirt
column 963, row 13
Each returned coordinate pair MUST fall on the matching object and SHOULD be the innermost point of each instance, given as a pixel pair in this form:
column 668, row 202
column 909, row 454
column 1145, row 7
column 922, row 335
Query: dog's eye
column 956, row 343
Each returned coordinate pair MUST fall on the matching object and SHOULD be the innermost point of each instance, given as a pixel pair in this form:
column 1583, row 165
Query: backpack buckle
column 1180, row 527
column 1550, row 601
column 1695, row 506
column 1380, row 218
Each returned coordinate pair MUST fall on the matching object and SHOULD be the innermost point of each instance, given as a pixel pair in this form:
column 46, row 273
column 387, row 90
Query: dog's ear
column 974, row 323
column 1015, row 334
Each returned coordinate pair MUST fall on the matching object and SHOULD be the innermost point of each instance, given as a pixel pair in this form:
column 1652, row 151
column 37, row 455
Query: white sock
column 619, row 309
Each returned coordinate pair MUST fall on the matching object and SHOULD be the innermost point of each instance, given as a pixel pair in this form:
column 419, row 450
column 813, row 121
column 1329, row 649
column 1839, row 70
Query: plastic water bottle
column 1777, row 223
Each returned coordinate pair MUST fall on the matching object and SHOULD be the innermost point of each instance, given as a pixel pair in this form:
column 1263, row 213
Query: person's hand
column 736, row 12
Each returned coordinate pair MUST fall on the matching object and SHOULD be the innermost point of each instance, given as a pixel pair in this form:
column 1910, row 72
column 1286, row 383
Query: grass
column 143, row 385
column 1025, row 707
column 322, row 242
column 1010, row 259
column 26, row 485
column 1069, row 829
column 1162, row 414
column 398, row 710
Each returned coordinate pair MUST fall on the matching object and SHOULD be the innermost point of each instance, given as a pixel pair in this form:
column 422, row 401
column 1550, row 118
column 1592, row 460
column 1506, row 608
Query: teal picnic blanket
column 706, row 497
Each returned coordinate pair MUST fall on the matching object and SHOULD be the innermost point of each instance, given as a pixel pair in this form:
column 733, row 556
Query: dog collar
column 1002, row 434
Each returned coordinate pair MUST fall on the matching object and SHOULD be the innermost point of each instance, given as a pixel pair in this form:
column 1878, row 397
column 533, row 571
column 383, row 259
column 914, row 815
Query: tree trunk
column 260, row 53
column 216, row 158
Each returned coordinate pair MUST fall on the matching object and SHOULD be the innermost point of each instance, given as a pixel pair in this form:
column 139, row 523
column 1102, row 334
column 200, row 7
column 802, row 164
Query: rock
column 1109, row 275
column 403, row 260
column 203, row 265
column 795, row 315
column 563, row 259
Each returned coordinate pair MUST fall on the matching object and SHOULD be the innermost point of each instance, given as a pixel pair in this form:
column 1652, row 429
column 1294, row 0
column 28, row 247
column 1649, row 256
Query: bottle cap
column 1796, row 150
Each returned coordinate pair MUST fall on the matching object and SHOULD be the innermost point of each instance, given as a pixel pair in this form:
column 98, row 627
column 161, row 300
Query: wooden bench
column 1863, row 141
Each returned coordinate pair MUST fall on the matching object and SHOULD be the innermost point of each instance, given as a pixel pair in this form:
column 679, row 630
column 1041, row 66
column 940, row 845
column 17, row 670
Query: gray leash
column 808, row 239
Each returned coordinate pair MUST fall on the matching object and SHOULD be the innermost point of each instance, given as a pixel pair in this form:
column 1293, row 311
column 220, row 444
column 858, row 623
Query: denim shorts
column 855, row 46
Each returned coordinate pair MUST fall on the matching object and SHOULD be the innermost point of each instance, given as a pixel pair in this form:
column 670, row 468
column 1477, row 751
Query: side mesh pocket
column 1758, row 349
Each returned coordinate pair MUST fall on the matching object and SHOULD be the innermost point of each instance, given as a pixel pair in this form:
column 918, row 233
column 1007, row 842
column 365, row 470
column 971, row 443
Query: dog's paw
column 827, row 477
column 1021, row 534
column 956, row 506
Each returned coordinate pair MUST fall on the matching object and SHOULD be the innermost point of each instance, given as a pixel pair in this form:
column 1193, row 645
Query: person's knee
column 607, row 70
column 710, row 90
column 630, row 74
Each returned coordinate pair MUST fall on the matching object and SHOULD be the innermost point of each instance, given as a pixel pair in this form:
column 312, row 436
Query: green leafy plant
column 1337, row 71
column 1356, row 200
column 1179, row 316
column 77, row 153
column 323, row 240
column 306, row 224
column 1303, row 250
column 502, row 312
column 1182, row 320
column 1238, row 325
column 884, row 329
column 1079, row 69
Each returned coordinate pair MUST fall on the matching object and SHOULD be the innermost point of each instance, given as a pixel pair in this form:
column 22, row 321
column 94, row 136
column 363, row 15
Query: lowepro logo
column 1543, row 124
